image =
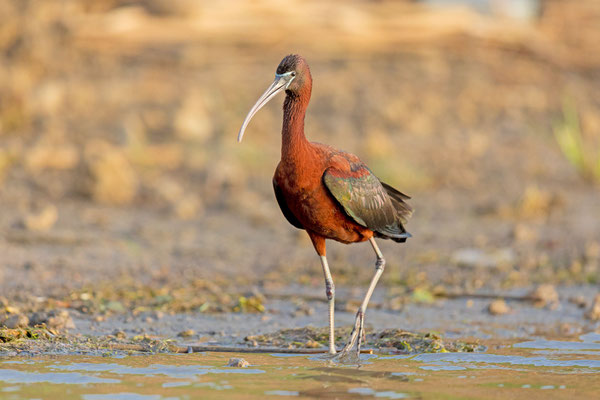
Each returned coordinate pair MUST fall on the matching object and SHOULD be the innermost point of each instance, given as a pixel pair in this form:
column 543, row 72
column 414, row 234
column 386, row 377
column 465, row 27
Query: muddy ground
column 128, row 207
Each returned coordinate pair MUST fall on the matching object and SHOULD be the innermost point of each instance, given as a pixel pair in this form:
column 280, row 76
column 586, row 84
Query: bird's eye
column 293, row 73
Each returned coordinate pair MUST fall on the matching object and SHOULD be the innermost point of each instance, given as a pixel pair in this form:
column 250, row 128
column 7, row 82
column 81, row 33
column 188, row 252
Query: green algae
column 389, row 340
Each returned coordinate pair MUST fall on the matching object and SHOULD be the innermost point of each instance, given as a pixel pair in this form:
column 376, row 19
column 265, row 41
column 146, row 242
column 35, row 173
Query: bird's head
column 292, row 76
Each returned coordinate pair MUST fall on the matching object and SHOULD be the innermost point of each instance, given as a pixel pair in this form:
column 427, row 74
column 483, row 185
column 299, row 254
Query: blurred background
column 119, row 165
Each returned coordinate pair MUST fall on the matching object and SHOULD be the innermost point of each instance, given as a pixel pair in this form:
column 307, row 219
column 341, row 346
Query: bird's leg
column 330, row 292
column 319, row 243
column 357, row 331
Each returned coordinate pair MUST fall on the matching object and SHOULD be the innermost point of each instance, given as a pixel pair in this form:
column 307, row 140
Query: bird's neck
column 293, row 140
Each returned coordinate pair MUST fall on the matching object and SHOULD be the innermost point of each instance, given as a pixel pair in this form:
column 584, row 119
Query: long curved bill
column 280, row 83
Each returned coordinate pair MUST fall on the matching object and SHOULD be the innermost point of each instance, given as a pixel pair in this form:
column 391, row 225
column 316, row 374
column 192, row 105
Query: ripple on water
column 126, row 396
column 282, row 393
column 364, row 391
column 504, row 359
column 563, row 352
column 590, row 337
column 71, row 378
column 173, row 371
column 557, row 345
column 175, row 384
column 442, row 367
column 286, row 355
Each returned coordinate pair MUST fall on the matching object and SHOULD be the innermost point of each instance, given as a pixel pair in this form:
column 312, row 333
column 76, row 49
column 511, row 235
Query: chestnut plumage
column 327, row 192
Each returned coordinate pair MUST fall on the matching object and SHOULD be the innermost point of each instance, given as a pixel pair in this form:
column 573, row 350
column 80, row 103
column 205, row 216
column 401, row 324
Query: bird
column 329, row 193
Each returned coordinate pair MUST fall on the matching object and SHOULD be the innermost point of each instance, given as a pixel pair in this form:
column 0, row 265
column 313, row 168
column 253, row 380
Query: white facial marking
column 286, row 76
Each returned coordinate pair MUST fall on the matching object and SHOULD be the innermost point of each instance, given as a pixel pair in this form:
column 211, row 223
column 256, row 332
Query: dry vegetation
column 118, row 155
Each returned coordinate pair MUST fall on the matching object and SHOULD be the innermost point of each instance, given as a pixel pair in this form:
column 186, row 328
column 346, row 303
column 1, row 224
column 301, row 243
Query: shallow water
column 561, row 369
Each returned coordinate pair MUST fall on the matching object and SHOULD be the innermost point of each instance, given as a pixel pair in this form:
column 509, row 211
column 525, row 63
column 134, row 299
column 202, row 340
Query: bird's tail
column 403, row 209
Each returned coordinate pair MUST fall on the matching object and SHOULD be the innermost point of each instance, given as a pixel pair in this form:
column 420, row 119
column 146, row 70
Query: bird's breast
column 311, row 203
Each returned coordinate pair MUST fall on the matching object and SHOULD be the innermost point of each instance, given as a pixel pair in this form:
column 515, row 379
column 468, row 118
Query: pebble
column 545, row 295
column 16, row 321
column 120, row 334
column 238, row 363
column 42, row 220
column 55, row 319
column 499, row 307
column 594, row 312
column 579, row 301
column 187, row 333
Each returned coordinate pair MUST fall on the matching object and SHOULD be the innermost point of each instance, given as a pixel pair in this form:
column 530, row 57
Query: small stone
column 566, row 329
column 396, row 303
column 594, row 312
column 60, row 320
column 188, row 207
column 55, row 319
column 16, row 321
column 524, row 233
column 498, row 307
column 538, row 203
column 119, row 334
column 158, row 315
column 545, row 295
column 42, row 220
column 238, row 363
column 579, row 301
column 303, row 310
column 186, row 333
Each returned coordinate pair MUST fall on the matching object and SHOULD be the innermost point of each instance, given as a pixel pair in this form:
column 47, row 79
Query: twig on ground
column 221, row 349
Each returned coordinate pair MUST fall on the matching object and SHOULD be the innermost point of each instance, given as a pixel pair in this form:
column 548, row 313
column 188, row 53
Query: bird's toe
column 347, row 356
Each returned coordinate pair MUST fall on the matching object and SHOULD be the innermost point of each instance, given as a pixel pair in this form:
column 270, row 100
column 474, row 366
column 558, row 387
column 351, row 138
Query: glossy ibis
column 327, row 192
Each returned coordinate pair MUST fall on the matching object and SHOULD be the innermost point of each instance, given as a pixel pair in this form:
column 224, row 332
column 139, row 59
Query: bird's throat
column 293, row 140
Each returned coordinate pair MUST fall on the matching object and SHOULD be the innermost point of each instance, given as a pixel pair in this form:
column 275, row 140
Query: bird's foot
column 356, row 337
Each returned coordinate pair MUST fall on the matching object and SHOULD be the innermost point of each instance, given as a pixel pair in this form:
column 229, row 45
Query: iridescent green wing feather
column 367, row 201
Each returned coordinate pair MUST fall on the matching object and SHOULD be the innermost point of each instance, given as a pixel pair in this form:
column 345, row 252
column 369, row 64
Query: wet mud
column 520, row 370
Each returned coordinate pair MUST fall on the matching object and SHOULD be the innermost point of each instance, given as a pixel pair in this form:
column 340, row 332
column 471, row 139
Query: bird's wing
column 287, row 213
column 364, row 199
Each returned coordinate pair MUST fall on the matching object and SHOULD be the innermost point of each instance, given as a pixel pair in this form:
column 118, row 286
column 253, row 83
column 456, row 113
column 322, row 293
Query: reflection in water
column 558, row 345
column 282, row 392
column 502, row 359
column 442, row 367
column 157, row 369
column 175, row 384
column 571, row 367
column 124, row 396
column 11, row 376
column 371, row 392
